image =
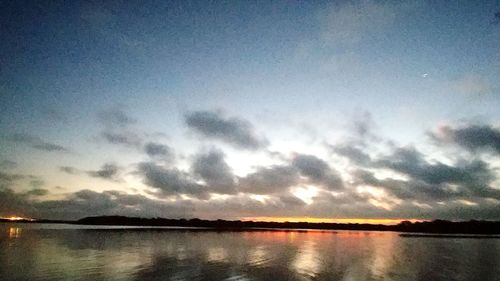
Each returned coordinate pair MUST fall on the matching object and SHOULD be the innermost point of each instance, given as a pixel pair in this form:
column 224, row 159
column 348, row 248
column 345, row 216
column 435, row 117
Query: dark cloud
column 237, row 132
column 14, row 203
column 37, row 192
column 88, row 203
column 409, row 161
column 108, row 171
column 354, row 154
column 413, row 186
column 69, row 170
column 159, row 151
column 213, row 169
column 37, row 143
column 217, row 176
column 6, row 179
column 117, row 128
column 363, row 124
column 242, row 205
column 170, row 181
column 290, row 200
column 19, row 203
column 269, row 180
column 471, row 137
column 115, row 117
column 122, row 138
column 436, row 180
column 363, row 129
column 318, row 171
column 37, row 183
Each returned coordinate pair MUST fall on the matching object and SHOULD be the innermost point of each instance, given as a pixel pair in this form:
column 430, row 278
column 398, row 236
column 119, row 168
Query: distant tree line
column 435, row 226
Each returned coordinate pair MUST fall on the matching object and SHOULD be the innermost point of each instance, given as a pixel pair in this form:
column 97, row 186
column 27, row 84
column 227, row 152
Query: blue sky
column 263, row 92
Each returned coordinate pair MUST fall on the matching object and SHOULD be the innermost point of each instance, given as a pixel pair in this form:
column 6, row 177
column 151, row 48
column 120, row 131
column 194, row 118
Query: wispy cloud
column 108, row 171
column 37, row 143
column 231, row 130
column 117, row 128
column 69, row 170
column 472, row 137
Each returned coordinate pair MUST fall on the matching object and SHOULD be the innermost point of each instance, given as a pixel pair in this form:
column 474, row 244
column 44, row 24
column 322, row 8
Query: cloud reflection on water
column 281, row 255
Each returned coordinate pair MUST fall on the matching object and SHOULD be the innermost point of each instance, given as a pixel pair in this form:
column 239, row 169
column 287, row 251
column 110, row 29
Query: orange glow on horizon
column 327, row 220
column 16, row 218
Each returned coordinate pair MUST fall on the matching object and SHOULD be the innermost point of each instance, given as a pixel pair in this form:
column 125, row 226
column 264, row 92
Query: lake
column 68, row 252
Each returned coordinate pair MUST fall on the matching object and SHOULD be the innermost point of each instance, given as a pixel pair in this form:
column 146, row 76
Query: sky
column 269, row 110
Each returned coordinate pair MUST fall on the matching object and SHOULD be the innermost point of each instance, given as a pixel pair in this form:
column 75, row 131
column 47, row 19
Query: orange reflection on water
column 14, row 232
column 361, row 233
column 383, row 251
column 286, row 236
column 306, row 261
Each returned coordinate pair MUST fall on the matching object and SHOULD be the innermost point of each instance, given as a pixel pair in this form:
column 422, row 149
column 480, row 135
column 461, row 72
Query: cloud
column 88, row 203
column 126, row 138
column 37, row 183
column 115, row 117
column 213, row 169
column 289, row 200
column 471, row 137
column 269, row 180
column 472, row 84
column 108, row 171
column 436, row 180
column 236, row 132
column 392, row 181
column 19, row 203
column 37, row 143
column 7, row 178
column 170, row 181
column 69, row 170
column 37, row 192
column 159, row 151
column 12, row 202
column 354, row 154
column 117, row 128
column 318, row 171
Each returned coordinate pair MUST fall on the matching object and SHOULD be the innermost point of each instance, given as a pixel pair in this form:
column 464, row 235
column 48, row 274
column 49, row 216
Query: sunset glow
column 327, row 220
column 15, row 218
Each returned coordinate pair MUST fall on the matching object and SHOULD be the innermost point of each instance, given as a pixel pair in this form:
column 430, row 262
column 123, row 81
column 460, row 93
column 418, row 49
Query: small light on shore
column 16, row 218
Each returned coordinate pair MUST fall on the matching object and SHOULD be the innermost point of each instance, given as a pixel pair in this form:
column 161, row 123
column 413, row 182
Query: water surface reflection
column 84, row 254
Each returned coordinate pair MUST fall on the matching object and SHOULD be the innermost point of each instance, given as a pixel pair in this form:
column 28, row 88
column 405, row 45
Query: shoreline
column 438, row 228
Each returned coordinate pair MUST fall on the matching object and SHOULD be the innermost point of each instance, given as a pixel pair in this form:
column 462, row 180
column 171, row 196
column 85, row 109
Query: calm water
column 59, row 252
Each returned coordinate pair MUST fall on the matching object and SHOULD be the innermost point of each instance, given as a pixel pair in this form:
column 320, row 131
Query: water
column 65, row 252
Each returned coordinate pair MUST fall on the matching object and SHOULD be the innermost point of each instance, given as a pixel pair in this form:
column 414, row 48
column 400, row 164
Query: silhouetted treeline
column 436, row 226
column 443, row 226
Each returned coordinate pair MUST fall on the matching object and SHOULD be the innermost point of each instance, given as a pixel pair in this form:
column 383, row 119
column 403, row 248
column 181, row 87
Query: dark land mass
column 440, row 235
column 434, row 227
